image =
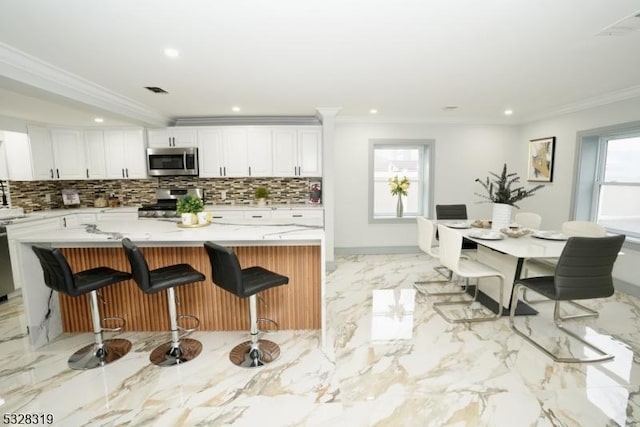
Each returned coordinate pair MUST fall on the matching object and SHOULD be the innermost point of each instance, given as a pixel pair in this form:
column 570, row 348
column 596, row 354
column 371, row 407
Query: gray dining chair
column 583, row 272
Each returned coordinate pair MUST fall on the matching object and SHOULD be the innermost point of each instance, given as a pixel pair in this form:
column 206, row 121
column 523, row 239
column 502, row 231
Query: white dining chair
column 546, row 267
column 426, row 236
column 529, row 220
column 450, row 257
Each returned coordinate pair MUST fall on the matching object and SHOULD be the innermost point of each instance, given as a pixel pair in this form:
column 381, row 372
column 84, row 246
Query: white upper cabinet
column 210, row 152
column 172, row 137
column 297, row 151
column 235, row 151
column 125, row 154
column 95, row 157
column 68, row 154
column 56, row 154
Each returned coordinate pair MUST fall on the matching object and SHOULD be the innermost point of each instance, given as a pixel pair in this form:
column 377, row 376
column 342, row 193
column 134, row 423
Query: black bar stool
column 227, row 274
column 179, row 349
column 59, row 277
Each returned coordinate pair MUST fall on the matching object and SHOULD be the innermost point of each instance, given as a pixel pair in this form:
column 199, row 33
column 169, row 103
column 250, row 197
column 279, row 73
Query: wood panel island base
column 293, row 306
column 292, row 249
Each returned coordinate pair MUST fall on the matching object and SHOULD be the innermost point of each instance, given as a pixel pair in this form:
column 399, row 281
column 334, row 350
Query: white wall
column 463, row 153
column 556, row 208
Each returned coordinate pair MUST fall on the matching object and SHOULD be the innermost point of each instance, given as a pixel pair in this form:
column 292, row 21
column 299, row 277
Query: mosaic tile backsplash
column 32, row 195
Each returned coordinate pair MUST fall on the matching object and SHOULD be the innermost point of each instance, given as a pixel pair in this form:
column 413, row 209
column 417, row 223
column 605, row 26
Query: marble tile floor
column 390, row 360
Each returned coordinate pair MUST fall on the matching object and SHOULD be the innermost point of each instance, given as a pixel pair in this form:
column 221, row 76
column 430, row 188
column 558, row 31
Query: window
column 608, row 182
column 390, row 158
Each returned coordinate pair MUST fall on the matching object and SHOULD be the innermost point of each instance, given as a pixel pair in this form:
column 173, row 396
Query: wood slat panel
column 293, row 306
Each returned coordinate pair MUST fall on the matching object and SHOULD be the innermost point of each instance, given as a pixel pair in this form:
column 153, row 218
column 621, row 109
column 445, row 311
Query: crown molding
column 29, row 70
column 586, row 104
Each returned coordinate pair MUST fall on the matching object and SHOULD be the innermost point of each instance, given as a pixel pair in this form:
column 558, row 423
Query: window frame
column 426, row 183
column 590, row 160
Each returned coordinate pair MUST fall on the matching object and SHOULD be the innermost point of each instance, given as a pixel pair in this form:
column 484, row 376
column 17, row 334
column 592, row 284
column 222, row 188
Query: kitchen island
column 293, row 249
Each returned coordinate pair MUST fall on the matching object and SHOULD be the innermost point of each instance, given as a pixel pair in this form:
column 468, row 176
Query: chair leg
column 255, row 352
column 178, row 350
column 437, row 305
column 448, row 274
column 101, row 352
column 604, row 356
column 589, row 312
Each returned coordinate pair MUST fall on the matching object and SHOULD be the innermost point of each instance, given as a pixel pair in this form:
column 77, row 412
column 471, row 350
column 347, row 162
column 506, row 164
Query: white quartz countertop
column 164, row 232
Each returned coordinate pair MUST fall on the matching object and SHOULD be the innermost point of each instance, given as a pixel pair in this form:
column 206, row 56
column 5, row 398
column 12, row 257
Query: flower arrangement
column 399, row 186
column 499, row 189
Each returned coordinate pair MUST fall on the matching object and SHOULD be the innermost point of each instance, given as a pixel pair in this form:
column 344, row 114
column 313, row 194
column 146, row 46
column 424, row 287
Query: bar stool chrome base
column 93, row 356
column 169, row 355
column 254, row 355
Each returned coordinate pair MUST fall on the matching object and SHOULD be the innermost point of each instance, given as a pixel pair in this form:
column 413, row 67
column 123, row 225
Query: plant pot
column 262, row 202
column 203, row 217
column 189, row 218
column 501, row 216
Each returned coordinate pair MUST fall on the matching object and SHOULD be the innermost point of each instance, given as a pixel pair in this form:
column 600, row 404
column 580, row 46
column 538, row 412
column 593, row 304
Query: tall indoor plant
column 503, row 191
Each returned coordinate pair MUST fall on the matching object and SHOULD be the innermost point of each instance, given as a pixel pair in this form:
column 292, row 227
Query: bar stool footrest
column 114, row 319
column 268, row 331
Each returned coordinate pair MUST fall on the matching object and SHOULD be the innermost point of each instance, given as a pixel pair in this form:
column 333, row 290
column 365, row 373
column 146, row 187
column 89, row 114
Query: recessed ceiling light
column 373, row 111
column 508, row 112
column 235, row 109
column 98, row 120
column 171, row 52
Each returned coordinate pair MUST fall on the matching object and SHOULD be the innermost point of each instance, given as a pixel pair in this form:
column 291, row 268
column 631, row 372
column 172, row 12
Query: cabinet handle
column 51, row 172
column 127, row 169
column 249, row 170
column 256, row 216
column 296, row 216
column 123, row 172
column 87, row 172
column 221, row 171
column 64, row 222
column 225, row 170
column 58, row 173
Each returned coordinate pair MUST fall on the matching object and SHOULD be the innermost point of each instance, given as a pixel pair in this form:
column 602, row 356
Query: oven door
column 172, row 161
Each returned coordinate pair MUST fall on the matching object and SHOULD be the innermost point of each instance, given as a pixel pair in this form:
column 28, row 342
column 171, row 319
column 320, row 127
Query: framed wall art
column 541, row 153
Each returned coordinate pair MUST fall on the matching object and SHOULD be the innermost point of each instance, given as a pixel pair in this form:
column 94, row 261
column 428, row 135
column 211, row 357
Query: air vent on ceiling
column 155, row 89
column 623, row 27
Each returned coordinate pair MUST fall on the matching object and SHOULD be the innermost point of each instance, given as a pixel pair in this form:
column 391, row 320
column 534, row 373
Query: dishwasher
column 6, row 275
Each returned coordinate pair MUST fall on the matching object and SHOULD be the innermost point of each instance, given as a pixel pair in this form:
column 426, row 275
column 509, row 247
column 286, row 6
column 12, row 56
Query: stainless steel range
column 166, row 200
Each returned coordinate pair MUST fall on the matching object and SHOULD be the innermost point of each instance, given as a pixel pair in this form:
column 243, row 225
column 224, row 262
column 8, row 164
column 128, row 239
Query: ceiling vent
column 155, row 89
column 623, row 27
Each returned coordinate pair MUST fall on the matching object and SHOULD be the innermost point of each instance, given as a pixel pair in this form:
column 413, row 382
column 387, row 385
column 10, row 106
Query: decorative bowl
column 515, row 232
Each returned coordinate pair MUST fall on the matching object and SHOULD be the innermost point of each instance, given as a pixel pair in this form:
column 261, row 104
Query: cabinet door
column 309, row 152
column 68, row 154
column 95, row 157
column 259, row 151
column 210, row 152
column 18, row 151
column 234, row 151
column 284, row 152
column 159, row 138
column 41, row 153
column 114, row 153
column 184, row 137
column 135, row 160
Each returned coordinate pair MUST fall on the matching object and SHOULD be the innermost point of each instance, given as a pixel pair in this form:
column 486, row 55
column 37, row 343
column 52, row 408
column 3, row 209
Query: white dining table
column 508, row 255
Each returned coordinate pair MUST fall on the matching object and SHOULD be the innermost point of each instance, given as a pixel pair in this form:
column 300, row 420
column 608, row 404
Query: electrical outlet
column 223, row 194
column 47, row 198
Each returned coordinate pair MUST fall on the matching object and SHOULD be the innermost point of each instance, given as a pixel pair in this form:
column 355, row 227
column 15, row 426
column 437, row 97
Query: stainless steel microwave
column 172, row 161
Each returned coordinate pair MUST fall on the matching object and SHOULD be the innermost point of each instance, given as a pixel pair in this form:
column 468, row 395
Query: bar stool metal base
column 168, row 355
column 92, row 356
column 249, row 355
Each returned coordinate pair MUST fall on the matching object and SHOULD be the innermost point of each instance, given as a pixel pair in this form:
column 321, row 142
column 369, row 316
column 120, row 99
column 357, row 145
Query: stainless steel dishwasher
column 6, row 275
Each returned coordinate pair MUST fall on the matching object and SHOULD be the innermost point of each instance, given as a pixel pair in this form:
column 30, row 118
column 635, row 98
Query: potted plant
column 261, row 194
column 504, row 191
column 188, row 208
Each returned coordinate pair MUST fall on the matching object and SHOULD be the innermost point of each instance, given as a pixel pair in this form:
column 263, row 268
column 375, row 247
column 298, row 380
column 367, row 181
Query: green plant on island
column 190, row 204
column 499, row 188
column 261, row 193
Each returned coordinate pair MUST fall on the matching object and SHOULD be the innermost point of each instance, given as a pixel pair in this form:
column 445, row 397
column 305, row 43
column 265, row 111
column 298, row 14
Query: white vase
column 399, row 207
column 501, row 216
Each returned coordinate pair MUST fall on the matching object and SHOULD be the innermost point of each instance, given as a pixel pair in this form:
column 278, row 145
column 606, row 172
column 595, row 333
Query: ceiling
column 67, row 61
